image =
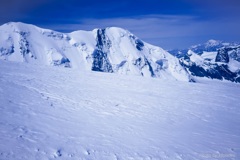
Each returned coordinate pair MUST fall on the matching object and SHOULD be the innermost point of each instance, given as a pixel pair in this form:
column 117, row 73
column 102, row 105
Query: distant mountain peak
column 214, row 59
column 212, row 42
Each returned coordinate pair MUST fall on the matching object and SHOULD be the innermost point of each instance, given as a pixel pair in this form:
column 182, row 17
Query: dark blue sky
column 166, row 23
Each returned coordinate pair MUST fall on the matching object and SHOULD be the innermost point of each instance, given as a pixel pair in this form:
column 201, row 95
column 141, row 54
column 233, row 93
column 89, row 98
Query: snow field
column 60, row 113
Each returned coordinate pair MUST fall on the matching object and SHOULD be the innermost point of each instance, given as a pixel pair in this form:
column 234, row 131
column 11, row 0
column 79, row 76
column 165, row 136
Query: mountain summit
column 113, row 50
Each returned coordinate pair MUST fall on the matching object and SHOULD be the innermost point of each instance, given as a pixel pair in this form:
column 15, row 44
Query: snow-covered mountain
column 106, row 50
column 213, row 59
column 210, row 46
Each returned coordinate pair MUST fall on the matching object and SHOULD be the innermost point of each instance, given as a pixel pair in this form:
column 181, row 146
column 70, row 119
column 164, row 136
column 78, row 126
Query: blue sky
column 166, row 23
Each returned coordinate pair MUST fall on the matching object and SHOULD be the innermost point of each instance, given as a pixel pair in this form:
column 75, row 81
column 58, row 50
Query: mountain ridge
column 112, row 49
column 116, row 50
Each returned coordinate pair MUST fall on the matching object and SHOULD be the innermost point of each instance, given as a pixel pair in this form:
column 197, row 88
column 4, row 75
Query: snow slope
column 106, row 50
column 61, row 113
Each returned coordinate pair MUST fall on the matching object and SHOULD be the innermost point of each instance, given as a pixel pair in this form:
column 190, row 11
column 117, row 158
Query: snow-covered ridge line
column 111, row 49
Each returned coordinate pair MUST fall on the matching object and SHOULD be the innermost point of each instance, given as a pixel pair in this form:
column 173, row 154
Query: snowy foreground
column 51, row 112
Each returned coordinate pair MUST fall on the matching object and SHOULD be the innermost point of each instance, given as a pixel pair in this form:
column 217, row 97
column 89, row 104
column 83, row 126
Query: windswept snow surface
column 56, row 113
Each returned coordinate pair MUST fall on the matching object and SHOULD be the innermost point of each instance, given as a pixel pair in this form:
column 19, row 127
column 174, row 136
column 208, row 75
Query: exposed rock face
column 100, row 59
column 222, row 55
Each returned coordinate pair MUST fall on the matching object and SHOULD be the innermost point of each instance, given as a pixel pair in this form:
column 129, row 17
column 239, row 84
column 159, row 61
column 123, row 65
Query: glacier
column 60, row 113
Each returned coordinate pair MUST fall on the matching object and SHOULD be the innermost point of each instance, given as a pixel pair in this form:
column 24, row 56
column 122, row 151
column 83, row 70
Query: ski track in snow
column 58, row 113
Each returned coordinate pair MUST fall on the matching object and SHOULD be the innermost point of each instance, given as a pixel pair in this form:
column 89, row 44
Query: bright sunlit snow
column 50, row 112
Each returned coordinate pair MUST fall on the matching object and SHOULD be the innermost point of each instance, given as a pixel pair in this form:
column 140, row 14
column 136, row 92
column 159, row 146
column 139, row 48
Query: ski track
column 56, row 113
